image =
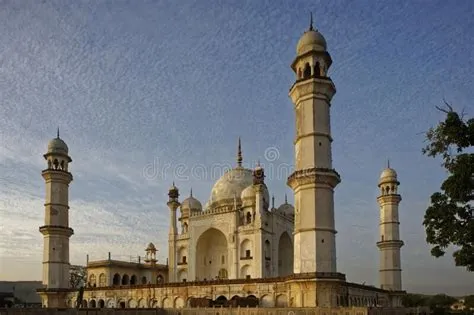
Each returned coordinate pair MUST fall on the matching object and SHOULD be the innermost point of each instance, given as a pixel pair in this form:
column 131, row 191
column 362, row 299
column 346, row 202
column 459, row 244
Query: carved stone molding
column 314, row 176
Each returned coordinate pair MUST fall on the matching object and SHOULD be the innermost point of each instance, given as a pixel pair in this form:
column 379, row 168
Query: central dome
column 231, row 184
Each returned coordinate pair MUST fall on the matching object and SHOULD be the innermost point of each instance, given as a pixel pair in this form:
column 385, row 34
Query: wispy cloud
column 132, row 84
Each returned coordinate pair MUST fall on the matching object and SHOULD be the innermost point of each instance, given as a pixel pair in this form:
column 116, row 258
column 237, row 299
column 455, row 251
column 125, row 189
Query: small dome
column 287, row 209
column 191, row 203
column 151, row 246
column 248, row 192
column 388, row 172
column 57, row 145
column 311, row 40
column 388, row 175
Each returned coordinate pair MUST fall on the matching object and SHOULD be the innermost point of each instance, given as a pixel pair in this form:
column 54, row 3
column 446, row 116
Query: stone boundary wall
column 207, row 311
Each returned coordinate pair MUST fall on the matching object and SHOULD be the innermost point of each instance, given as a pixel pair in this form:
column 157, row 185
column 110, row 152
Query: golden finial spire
column 239, row 155
column 57, row 136
column 311, row 21
column 388, row 163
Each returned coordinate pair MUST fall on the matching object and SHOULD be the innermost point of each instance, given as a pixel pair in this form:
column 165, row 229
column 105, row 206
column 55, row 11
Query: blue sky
column 147, row 92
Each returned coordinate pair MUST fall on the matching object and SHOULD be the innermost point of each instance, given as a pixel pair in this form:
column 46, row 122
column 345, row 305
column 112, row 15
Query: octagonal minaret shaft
column 173, row 205
column 314, row 178
column 389, row 244
column 56, row 231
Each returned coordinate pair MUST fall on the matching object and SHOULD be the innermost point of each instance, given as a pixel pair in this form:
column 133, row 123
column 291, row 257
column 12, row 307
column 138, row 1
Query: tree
column 469, row 301
column 441, row 301
column 414, row 300
column 449, row 220
column 77, row 276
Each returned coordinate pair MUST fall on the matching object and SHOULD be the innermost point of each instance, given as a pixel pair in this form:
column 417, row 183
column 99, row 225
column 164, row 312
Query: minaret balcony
column 390, row 244
column 56, row 230
column 314, row 175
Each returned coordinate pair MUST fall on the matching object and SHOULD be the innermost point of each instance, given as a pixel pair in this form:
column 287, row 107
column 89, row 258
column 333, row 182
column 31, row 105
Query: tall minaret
column 314, row 179
column 56, row 230
column 389, row 243
column 173, row 204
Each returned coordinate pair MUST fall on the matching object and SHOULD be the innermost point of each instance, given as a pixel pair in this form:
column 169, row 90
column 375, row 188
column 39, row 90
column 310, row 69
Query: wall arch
column 182, row 275
column 141, row 303
column 92, row 280
column 267, row 301
column 246, row 248
column 245, row 271
column 179, row 302
column 116, row 280
column 101, row 304
column 110, row 303
column 125, row 279
column 132, row 303
column 281, row 300
column 211, row 247
column 102, row 280
column 285, row 255
column 167, row 303
column 182, row 255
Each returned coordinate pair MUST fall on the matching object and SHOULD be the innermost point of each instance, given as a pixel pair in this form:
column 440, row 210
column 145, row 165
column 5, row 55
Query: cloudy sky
column 147, row 92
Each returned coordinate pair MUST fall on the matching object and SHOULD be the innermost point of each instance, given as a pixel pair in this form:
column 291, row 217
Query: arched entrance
column 101, row 303
column 285, row 255
column 211, row 255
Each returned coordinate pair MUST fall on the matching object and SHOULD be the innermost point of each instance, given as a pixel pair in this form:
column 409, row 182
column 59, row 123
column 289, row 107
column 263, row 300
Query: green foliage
column 441, row 301
column 449, row 218
column 414, row 300
column 469, row 301
column 77, row 276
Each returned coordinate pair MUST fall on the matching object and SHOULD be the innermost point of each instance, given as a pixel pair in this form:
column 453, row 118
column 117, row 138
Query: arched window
column 223, row 274
column 116, row 280
column 143, row 280
column 249, row 218
column 102, row 280
column 317, row 70
column 133, row 280
column 92, row 280
column 307, row 71
column 159, row 279
column 125, row 280
column 267, row 250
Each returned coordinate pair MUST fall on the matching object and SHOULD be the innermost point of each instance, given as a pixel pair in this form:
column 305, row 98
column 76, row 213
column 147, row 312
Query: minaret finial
column 239, row 155
column 273, row 201
column 286, row 199
column 191, row 192
column 58, row 134
column 311, row 21
column 388, row 163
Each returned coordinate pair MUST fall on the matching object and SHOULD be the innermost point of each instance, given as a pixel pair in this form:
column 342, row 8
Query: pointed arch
column 285, row 255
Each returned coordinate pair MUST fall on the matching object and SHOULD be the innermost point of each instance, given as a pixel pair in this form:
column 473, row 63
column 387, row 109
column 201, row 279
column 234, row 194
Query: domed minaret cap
column 58, row 146
column 173, row 193
column 312, row 40
column 150, row 247
column 388, row 175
